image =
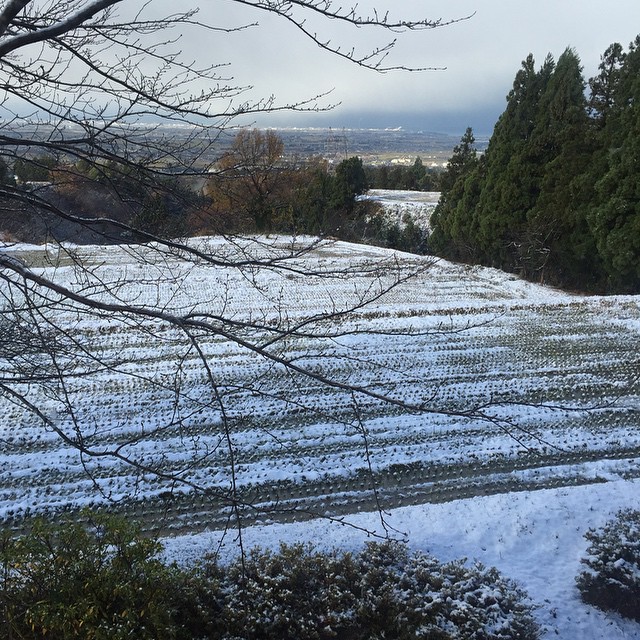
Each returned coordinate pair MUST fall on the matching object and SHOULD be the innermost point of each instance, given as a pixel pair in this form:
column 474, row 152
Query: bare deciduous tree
column 250, row 173
column 107, row 97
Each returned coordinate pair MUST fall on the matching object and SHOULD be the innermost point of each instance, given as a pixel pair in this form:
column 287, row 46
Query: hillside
column 550, row 382
column 524, row 430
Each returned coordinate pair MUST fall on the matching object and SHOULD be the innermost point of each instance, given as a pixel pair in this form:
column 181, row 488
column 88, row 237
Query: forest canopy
column 556, row 196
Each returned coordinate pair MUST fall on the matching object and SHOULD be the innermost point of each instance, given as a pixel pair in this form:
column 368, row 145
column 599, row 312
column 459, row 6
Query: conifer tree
column 514, row 163
column 556, row 196
column 558, row 234
column 605, row 85
column 350, row 181
column 614, row 218
column 452, row 217
column 417, row 174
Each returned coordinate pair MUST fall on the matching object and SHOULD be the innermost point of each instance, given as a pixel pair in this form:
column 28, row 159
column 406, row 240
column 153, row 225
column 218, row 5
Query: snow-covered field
column 550, row 445
column 535, row 538
column 397, row 205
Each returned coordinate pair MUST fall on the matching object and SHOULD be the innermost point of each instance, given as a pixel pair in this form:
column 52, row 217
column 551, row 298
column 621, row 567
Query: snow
column 452, row 335
column 398, row 205
column 387, row 196
column 535, row 538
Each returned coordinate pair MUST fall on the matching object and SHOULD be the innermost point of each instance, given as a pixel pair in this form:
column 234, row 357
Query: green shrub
column 295, row 594
column 95, row 581
column 101, row 580
column 612, row 579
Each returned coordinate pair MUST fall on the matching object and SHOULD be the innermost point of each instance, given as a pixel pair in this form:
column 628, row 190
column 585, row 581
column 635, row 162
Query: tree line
column 415, row 177
column 556, row 196
column 254, row 188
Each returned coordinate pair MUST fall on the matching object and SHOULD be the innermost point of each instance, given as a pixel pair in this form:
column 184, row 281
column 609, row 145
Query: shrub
column 102, row 580
column 92, row 581
column 383, row 592
column 296, row 594
column 612, row 579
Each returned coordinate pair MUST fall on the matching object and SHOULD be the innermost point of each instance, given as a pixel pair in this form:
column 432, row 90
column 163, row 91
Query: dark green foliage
column 402, row 236
column 510, row 183
column 555, row 197
column 604, row 86
column 614, row 217
column 557, row 219
column 310, row 202
column 324, row 203
column 163, row 214
column 463, row 159
column 350, row 180
column 6, row 176
column 37, row 169
column 96, row 581
column 612, row 579
column 321, row 202
column 101, row 580
column 452, row 218
column 415, row 177
column 295, row 594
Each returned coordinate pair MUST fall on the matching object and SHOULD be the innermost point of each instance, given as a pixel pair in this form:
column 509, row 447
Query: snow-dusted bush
column 383, row 592
column 612, row 578
column 295, row 594
column 92, row 580
column 102, row 579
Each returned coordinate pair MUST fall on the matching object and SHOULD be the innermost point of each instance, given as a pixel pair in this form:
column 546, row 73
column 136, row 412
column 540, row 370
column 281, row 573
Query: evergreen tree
column 513, row 175
column 451, row 218
column 463, row 157
column 350, row 181
column 605, row 85
column 378, row 177
column 560, row 244
column 556, row 196
column 614, row 218
column 313, row 190
column 36, row 169
column 416, row 175
column 6, row 175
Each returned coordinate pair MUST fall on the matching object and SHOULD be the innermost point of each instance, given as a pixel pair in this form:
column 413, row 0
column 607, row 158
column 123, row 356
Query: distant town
column 374, row 146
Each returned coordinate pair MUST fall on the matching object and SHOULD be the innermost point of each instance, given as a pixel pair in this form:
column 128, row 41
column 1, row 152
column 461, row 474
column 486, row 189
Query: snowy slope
column 557, row 374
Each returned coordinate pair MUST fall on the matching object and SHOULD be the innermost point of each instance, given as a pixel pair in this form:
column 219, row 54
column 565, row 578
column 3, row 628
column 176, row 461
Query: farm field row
column 451, row 382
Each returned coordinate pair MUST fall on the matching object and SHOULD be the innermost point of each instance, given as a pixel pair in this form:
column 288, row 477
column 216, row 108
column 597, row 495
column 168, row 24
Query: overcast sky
column 481, row 56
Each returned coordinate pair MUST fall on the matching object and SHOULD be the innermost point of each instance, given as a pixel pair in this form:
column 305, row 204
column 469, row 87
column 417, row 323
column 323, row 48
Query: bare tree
column 250, row 174
column 109, row 97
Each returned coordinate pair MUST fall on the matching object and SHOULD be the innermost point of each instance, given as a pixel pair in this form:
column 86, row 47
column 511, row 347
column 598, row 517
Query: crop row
column 487, row 376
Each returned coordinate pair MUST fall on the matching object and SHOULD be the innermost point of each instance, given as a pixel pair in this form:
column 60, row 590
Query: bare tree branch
column 71, row 22
column 113, row 120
